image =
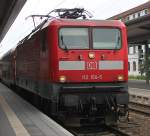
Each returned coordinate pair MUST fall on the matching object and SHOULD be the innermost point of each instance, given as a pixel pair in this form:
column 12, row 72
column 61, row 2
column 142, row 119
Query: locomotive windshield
column 74, row 38
column 78, row 38
column 106, row 38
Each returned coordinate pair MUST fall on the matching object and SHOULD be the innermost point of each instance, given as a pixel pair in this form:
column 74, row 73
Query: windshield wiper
column 117, row 42
column 63, row 43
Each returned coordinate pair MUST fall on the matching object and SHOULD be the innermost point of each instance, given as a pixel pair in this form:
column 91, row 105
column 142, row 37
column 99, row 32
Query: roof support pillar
column 147, row 62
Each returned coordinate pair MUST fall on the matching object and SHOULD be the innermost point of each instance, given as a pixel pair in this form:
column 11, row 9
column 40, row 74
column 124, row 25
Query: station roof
column 138, row 29
column 9, row 9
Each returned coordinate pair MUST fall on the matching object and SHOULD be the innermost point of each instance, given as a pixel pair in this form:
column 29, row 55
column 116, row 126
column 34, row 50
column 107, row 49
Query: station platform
column 19, row 118
column 141, row 96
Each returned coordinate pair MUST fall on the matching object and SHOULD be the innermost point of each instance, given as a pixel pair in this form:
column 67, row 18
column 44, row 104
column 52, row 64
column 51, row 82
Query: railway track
column 97, row 131
column 138, row 124
column 139, row 108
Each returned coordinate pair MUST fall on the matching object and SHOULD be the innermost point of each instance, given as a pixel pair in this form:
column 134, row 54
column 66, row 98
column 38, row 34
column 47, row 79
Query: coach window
column 74, row 38
column 106, row 38
column 43, row 41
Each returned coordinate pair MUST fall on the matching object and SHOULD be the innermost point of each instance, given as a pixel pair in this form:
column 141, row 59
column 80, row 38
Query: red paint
column 74, row 55
column 31, row 62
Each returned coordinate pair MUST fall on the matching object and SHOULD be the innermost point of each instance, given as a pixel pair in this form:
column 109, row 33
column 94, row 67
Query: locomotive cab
column 90, row 72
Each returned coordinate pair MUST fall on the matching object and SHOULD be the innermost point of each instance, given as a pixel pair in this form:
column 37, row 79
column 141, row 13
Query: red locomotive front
column 90, row 51
column 89, row 67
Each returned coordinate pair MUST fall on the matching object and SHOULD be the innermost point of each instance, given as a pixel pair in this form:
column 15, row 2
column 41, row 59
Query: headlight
column 120, row 77
column 91, row 55
column 62, row 79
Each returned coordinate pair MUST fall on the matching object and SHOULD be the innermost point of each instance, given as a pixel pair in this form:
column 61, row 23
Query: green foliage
column 137, row 77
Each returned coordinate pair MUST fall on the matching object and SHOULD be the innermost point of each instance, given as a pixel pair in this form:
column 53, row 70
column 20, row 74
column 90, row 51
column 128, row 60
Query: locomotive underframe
column 78, row 104
column 106, row 103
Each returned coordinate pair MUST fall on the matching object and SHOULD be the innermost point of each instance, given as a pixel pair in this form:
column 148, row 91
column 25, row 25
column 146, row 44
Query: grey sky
column 101, row 9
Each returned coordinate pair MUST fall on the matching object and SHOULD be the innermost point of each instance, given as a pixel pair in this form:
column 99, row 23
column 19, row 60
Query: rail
column 97, row 131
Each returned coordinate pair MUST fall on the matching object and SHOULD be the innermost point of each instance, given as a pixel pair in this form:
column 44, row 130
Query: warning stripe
column 82, row 65
column 111, row 65
column 16, row 124
column 71, row 65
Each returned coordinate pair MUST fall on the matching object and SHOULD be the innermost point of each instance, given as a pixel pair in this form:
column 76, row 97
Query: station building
column 136, row 52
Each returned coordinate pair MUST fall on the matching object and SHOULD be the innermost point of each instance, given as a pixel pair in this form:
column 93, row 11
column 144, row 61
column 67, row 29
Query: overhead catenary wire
column 73, row 13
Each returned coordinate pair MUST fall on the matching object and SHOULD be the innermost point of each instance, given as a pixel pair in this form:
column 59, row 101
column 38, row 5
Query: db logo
column 91, row 65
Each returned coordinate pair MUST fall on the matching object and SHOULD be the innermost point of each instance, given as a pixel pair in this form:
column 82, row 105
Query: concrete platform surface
column 19, row 118
column 138, row 84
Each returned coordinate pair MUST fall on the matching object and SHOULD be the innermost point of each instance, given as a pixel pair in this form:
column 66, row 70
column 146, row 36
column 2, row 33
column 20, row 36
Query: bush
column 137, row 77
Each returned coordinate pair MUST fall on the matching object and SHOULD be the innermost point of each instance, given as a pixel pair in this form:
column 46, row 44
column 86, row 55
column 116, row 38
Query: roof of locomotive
column 84, row 22
column 73, row 22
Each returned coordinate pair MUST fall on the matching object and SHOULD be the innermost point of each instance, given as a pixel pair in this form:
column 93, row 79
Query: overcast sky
column 101, row 9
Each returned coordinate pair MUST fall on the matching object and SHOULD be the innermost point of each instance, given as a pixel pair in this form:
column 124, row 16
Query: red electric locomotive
column 79, row 66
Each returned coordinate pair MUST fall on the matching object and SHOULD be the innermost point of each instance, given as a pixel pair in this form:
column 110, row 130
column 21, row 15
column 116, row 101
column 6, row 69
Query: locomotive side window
column 74, row 38
column 106, row 38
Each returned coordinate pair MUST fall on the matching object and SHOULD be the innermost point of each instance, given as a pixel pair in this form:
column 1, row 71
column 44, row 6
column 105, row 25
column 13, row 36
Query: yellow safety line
column 16, row 124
